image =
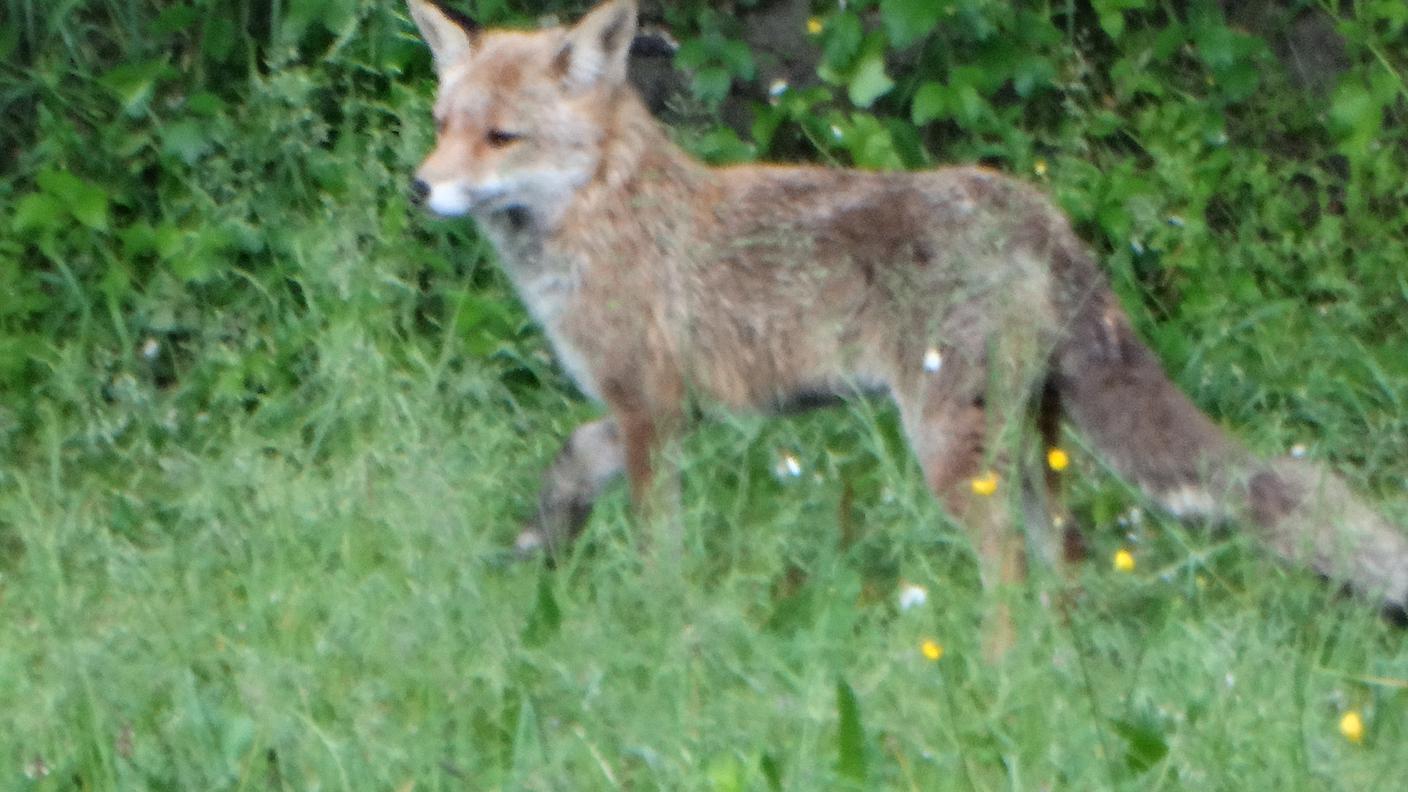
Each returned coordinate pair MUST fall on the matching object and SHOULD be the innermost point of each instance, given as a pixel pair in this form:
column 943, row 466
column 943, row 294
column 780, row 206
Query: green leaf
column 907, row 21
column 850, row 737
column 722, row 146
column 132, row 84
column 91, row 209
column 1032, row 72
column 1216, row 44
column 842, row 40
column 766, row 121
column 138, row 239
column 712, row 83
column 86, row 202
column 968, row 105
column 1112, row 22
column 205, row 103
column 173, row 20
column 195, row 267
column 738, row 59
column 870, row 82
column 298, row 16
column 1356, row 117
column 1103, row 123
column 966, row 102
column 1131, row 76
column 1111, row 13
column 339, row 17
column 872, row 145
column 219, row 37
column 37, row 212
column 141, row 238
column 692, row 54
column 906, row 143
column 185, row 140
column 930, row 102
column 1145, row 743
column 168, row 240
column 116, row 282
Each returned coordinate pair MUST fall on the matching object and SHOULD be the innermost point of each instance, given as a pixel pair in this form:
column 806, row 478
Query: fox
column 962, row 294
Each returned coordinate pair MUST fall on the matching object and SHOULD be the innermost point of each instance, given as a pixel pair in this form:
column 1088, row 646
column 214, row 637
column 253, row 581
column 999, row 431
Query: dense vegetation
column 265, row 430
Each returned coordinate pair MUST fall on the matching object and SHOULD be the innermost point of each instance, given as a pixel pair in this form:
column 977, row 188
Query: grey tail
column 1114, row 390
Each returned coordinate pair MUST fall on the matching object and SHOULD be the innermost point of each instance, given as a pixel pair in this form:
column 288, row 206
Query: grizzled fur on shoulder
column 960, row 293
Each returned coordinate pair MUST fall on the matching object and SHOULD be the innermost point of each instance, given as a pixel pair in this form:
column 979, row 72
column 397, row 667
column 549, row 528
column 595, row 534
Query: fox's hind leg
column 589, row 461
column 1062, row 526
column 961, row 419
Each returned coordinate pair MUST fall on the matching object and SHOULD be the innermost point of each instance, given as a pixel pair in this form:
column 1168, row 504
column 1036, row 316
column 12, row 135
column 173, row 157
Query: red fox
column 962, row 294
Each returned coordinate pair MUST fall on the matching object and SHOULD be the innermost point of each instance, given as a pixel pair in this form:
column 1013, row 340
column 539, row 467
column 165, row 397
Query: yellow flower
column 813, row 26
column 1352, row 727
column 1057, row 459
column 1039, row 167
column 985, row 484
column 933, row 650
column 1124, row 561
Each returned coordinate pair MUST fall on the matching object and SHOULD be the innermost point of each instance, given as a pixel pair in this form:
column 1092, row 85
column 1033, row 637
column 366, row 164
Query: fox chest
column 551, row 300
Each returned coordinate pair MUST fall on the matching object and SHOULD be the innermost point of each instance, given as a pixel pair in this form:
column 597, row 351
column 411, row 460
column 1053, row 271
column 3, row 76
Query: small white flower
column 788, row 467
column 150, row 348
column 1298, row 451
column 836, row 132
column 933, row 360
column 912, row 595
column 777, row 88
column 1136, row 247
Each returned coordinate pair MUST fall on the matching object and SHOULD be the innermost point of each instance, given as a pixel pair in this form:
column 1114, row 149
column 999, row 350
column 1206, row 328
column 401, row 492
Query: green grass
column 266, row 435
column 322, row 602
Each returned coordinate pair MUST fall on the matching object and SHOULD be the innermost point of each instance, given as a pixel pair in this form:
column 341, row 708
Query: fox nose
column 420, row 190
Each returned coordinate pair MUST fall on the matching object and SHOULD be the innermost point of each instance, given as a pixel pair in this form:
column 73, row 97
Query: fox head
column 519, row 115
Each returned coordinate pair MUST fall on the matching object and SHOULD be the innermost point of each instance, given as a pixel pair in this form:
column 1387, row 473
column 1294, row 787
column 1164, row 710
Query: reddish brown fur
column 660, row 281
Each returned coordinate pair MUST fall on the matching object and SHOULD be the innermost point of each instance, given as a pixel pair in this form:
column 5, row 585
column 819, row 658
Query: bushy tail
column 1115, row 392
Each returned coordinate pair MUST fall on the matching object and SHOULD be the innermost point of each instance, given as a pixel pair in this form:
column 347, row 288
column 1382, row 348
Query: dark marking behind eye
column 499, row 138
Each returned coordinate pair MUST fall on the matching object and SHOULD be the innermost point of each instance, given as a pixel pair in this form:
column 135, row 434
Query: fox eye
column 498, row 138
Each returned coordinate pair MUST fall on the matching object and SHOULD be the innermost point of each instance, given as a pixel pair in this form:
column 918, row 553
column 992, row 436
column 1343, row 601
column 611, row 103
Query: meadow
column 267, row 432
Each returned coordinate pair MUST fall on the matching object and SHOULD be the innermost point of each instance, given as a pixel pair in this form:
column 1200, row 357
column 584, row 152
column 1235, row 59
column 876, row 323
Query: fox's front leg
column 646, row 438
column 589, row 461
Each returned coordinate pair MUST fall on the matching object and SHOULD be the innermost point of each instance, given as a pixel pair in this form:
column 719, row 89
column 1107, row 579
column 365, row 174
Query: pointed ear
column 449, row 33
column 594, row 52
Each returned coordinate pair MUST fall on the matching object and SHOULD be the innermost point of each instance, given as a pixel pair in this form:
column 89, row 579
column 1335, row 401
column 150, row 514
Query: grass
column 323, row 602
column 257, row 488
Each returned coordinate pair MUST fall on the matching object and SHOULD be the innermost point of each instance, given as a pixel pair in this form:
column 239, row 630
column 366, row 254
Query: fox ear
column 449, row 33
column 595, row 50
